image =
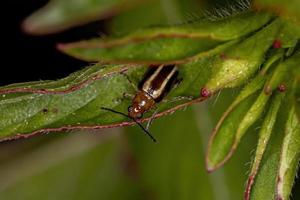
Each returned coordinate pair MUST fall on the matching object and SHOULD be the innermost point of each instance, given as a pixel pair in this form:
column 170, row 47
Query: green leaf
column 54, row 104
column 290, row 156
column 235, row 170
column 223, row 136
column 52, row 107
column 264, row 136
column 240, row 62
column 274, row 59
column 59, row 15
column 251, row 117
column 220, row 151
column 74, row 102
column 265, row 183
column 287, row 36
column 75, row 81
column 282, row 71
column 297, row 95
column 166, row 44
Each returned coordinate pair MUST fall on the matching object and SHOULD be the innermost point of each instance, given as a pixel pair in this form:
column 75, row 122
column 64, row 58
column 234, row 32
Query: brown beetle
column 153, row 88
column 155, row 85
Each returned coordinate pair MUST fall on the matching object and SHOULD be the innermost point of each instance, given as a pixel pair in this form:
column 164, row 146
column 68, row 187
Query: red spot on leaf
column 282, row 87
column 205, row 92
column 223, row 56
column 277, row 44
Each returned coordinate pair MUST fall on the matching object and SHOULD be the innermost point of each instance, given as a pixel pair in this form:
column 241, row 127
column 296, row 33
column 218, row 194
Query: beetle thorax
column 141, row 103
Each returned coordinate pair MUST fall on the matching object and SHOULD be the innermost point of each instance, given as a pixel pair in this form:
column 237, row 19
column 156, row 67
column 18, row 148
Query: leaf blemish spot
column 223, row 56
column 281, row 87
column 45, row 110
column 205, row 92
column 277, row 44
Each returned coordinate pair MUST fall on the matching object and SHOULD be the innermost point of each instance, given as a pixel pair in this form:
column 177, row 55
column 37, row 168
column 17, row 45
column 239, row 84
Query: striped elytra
column 155, row 85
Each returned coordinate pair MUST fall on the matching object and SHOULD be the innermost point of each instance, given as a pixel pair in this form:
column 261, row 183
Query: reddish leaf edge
column 214, row 51
column 72, row 88
column 211, row 138
column 249, row 185
column 96, row 127
column 213, row 135
column 142, row 62
column 110, row 43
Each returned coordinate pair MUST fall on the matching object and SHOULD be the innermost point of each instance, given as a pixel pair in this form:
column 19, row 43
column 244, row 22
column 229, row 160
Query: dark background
column 31, row 58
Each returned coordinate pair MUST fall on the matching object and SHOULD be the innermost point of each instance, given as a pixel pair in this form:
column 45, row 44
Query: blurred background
column 116, row 163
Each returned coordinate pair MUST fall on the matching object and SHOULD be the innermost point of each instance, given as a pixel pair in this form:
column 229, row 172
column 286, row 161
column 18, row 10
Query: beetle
column 155, row 85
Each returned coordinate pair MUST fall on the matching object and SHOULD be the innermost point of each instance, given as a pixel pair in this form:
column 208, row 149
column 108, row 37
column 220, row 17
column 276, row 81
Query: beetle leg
column 151, row 119
column 128, row 95
column 177, row 82
column 178, row 98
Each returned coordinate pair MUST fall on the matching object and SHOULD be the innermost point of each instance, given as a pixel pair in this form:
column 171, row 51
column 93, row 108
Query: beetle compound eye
column 130, row 108
column 137, row 109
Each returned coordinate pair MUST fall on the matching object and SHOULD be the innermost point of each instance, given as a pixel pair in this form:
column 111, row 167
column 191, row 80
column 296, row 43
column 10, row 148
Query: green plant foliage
column 281, row 72
column 25, row 111
column 58, row 15
column 254, row 53
column 176, row 170
column 76, row 104
column 162, row 44
column 264, row 137
column 227, row 126
column 240, row 61
column 107, row 166
column 290, row 156
column 224, row 136
column 273, row 179
column 266, row 177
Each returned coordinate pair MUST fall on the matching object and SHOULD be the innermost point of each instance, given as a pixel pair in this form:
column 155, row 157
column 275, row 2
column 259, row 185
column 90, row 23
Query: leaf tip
column 27, row 27
column 33, row 27
column 61, row 46
column 212, row 166
column 209, row 167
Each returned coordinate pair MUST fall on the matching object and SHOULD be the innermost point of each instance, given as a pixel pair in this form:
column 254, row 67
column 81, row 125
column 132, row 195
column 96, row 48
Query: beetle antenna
column 138, row 123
